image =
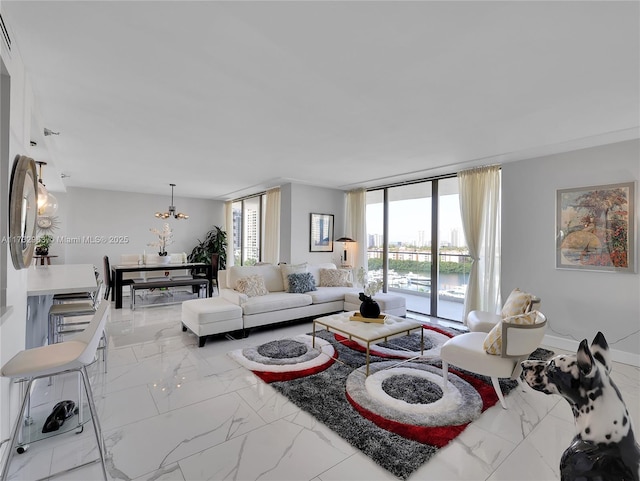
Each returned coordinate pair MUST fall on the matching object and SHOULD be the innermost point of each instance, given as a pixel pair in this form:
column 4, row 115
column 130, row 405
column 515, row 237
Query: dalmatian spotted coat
column 604, row 448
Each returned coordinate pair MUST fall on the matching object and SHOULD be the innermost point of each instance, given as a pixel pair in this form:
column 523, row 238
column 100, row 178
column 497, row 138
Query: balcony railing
column 409, row 275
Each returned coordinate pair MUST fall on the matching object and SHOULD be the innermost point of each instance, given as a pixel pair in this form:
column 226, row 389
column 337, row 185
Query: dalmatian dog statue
column 605, row 448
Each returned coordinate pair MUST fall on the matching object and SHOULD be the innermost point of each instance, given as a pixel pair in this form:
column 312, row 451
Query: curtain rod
column 240, row 199
column 424, row 179
column 415, row 181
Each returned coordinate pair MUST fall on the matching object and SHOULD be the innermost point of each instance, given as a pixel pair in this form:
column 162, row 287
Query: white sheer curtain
column 356, row 227
column 228, row 219
column 271, row 252
column 480, row 211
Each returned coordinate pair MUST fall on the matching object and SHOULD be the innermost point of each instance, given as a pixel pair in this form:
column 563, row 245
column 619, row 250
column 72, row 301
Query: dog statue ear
column 584, row 358
column 600, row 350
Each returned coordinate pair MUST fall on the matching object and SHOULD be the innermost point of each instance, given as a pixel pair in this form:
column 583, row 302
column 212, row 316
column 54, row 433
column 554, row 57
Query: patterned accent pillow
column 517, row 303
column 302, row 282
column 252, row 286
column 291, row 269
column 493, row 342
column 334, row 278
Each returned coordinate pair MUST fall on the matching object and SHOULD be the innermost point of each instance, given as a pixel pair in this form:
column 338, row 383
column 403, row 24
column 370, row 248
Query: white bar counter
column 60, row 279
column 45, row 281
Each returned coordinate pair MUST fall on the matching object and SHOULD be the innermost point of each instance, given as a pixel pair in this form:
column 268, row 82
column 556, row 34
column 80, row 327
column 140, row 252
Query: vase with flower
column 165, row 238
column 369, row 308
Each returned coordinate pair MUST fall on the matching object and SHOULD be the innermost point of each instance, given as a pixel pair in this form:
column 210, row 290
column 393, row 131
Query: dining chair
column 132, row 260
column 108, row 281
column 179, row 258
column 215, row 267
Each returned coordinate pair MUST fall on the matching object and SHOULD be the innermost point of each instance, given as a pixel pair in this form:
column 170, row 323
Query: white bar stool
column 53, row 360
column 78, row 296
column 58, row 312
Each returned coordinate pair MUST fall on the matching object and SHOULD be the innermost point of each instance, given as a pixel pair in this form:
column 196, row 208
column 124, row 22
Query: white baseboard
column 571, row 345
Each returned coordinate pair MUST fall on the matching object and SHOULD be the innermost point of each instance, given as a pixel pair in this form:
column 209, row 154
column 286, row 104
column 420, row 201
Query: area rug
column 399, row 415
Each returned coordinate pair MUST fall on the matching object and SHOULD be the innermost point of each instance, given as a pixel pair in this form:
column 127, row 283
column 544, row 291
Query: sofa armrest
column 233, row 296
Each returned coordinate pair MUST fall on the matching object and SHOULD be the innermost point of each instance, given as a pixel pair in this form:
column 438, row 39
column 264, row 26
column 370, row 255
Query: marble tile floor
column 171, row 411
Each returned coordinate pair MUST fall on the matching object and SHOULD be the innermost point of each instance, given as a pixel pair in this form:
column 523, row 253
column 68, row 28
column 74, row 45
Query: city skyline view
column 410, row 221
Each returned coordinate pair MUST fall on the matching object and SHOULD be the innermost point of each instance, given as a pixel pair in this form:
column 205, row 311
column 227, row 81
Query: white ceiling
column 228, row 98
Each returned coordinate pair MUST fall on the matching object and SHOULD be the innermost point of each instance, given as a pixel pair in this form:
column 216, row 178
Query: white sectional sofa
column 278, row 304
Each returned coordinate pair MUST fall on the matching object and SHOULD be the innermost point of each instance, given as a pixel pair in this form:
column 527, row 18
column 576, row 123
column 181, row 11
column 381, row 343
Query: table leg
column 368, row 345
column 422, row 341
column 313, row 337
column 117, row 289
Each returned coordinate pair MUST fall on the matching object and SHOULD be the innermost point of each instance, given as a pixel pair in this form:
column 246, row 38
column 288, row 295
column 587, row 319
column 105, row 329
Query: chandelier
column 172, row 210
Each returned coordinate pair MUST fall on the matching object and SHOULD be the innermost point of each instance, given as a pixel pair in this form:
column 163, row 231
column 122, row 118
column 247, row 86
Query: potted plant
column 215, row 241
column 42, row 245
column 165, row 238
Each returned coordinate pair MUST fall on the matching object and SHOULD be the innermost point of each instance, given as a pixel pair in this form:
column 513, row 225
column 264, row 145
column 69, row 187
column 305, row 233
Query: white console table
column 43, row 282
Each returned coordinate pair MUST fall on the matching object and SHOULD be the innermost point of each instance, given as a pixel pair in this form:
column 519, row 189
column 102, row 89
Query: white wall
column 120, row 222
column 577, row 303
column 12, row 328
column 298, row 202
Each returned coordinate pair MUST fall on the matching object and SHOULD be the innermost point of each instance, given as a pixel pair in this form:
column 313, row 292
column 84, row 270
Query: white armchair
column 518, row 302
column 512, row 341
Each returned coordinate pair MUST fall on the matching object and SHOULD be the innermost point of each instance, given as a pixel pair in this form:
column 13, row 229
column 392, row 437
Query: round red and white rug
column 287, row 359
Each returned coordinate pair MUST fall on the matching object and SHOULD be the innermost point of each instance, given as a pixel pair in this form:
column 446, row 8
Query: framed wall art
column 321, row 233
column 595, row 228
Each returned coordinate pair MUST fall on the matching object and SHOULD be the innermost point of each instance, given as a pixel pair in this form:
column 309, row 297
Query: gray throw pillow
column 301, row 282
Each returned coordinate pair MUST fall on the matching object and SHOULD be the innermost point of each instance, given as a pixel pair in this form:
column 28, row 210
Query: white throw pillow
column 287, row 269
column 334, row 278
column 493, row 342
column 252, row 286
column 518, row 302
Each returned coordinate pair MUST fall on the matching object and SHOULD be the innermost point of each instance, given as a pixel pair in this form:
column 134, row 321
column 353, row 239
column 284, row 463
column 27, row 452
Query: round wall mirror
column 23, row 211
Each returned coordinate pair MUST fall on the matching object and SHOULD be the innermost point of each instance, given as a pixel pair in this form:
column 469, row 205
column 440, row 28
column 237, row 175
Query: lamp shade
column 344, row 254
column 50, row 207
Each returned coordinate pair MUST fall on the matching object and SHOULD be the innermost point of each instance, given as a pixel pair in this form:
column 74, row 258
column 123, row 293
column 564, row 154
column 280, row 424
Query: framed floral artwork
column 595, row 228
column 321, row 233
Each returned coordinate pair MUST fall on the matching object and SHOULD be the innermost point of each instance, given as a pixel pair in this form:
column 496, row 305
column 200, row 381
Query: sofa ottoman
column 389, row 303
column 212, row 315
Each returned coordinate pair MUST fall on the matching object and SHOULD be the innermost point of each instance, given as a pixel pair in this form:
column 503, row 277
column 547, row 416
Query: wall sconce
column 344, row 241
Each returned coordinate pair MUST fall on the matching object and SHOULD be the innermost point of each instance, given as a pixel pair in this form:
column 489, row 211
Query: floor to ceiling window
column 417, row 246
column 248, row 228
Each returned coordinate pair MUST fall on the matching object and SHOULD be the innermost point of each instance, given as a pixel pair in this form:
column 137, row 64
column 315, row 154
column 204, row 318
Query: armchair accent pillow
column 334, row 278
column 286, row 269
column 493, row 342
column 252, row 286
column 302, row 282
column 518, row 302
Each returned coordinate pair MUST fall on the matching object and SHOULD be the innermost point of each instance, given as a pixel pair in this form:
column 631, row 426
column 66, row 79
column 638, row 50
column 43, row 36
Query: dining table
column 119, row 282
column 43, row 282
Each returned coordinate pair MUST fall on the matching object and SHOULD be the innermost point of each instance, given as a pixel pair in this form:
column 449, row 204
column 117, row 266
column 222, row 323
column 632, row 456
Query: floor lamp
column 344, row 241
